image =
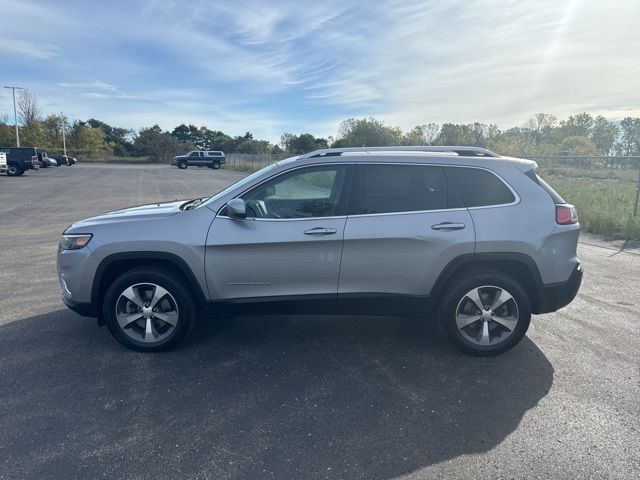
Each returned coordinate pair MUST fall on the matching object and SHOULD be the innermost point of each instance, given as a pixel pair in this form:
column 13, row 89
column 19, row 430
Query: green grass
column 604, row 199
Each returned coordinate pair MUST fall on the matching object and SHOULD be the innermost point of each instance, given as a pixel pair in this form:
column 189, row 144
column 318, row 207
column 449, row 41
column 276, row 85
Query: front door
column 290, row 245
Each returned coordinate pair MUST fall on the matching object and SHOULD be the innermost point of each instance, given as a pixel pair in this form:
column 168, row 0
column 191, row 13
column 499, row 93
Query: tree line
column 542, row 135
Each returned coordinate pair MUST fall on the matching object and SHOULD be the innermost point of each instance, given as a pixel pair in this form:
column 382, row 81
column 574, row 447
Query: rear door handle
column 320, row 231
column 448, row 226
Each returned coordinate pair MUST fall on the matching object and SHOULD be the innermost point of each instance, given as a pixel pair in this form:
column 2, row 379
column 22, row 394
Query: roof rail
column 459, row 150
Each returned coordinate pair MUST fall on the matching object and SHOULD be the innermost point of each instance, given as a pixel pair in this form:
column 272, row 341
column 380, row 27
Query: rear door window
column 400, row 188
column 482, row 188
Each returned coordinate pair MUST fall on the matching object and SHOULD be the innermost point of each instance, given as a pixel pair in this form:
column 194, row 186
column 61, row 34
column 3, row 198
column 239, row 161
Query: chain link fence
column 605, row 190
column 249, row 162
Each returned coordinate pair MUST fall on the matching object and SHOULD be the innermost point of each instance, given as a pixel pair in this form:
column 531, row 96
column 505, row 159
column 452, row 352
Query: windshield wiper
column 191, row 204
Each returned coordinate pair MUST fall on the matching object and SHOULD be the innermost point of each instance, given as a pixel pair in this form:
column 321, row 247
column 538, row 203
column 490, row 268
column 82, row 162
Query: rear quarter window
column 482, row 188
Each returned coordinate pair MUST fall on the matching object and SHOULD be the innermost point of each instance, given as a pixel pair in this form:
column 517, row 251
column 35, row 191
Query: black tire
column 14, row 170
column 182, row 164
column 456, row 292
column 170, row 281
column 215, row 165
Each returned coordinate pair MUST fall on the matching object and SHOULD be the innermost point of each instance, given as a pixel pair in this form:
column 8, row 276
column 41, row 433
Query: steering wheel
column 253, row 209
column 271, row 209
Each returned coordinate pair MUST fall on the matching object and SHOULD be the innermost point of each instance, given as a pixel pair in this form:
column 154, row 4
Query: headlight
column 74, row 241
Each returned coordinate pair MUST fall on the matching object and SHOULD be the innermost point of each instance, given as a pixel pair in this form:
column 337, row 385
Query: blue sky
column 295, row 66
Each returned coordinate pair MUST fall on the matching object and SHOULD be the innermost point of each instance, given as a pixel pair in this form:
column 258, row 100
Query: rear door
column 406, row 223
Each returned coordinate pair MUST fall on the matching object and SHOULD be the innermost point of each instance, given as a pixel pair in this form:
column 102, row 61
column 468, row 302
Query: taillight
column 566, row 214
column 34, row 159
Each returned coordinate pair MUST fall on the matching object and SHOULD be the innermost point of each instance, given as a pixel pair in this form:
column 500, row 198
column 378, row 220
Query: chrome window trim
column 515, row 194
column 253, row 219
column 413, row 212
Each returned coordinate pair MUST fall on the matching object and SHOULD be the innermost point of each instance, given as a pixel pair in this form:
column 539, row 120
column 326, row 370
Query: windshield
column 245, row 181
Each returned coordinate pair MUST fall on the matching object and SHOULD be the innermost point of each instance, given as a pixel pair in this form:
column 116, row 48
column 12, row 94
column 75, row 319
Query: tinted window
column 399, row 188
column 303, row 193
column 481, row 188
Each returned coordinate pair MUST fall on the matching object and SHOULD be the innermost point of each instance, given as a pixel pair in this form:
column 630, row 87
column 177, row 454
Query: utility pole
column 15, row 114
column 64, row 141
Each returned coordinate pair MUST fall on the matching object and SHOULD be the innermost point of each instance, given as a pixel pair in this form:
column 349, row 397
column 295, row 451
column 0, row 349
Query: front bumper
column 83, row 309
column 558, row 295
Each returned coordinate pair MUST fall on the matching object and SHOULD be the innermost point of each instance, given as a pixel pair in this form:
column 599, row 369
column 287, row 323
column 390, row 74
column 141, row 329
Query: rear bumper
column 558, row 295
column 81, row 308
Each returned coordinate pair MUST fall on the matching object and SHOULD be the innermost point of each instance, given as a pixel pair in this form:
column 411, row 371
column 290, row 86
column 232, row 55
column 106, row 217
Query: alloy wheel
column 147, row 312
column 487, row 315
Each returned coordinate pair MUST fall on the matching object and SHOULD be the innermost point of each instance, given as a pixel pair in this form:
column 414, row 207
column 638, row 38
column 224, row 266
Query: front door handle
column 448, row 226
column 320, row 231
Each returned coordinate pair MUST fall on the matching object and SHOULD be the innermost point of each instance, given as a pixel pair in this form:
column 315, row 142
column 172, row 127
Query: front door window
column 304, row 193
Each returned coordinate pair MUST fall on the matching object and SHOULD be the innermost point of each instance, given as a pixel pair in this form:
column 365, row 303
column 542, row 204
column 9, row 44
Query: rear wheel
column 215, row 165
column 485, row 314
column 182, row 164
column 148, row 310
column 14, row 170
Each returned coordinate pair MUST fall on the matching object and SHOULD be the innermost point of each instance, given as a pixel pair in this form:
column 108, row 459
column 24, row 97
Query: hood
column 142, row 212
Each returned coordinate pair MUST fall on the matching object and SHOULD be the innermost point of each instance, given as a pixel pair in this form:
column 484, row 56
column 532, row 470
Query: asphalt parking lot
column 299, row 397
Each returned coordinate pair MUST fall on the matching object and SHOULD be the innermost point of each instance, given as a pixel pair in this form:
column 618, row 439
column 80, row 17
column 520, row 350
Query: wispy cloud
column 299, row 66
column 31, row 50
column 97, row 85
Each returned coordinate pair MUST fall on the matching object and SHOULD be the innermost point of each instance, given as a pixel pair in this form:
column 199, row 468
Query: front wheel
column 148, row 310
column 485, row 314
column 182, row 164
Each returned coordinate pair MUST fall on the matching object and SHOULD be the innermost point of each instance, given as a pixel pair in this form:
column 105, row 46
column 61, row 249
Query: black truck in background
column 200, row 158
column 20, row 159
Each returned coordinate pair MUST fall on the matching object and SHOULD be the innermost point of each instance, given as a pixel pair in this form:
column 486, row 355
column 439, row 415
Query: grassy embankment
column 604, row 198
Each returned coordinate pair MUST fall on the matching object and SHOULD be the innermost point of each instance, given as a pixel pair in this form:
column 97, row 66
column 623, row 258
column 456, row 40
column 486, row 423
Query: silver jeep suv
column 478, row 238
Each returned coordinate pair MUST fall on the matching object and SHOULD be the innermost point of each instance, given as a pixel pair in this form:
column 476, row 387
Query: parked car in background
column 60, row 159
column 201, row 158
column 479, row 239
column 3, row 162
column 45, row 161
column 72, row 160
column 20, row 159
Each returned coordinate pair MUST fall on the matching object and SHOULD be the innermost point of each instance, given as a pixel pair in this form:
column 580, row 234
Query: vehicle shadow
column 278, row 397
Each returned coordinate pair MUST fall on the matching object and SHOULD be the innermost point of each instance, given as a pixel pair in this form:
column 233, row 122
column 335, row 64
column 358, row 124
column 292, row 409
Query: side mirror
column 236, row 208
